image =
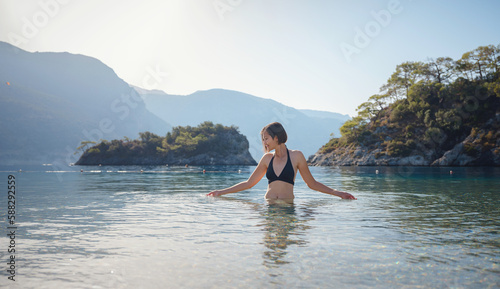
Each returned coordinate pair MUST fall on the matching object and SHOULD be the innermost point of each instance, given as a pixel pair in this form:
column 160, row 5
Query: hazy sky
column 323, row 55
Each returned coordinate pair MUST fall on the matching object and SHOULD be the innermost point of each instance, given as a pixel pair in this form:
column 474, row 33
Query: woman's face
column 269, row 143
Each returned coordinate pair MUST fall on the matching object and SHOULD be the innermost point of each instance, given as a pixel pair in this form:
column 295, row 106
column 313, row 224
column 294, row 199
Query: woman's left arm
column 315, row 185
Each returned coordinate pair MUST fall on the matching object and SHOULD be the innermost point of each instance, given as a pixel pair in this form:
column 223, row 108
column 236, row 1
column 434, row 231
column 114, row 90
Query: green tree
column 147, row 136
column 441, row 69
column 489, row 59
column 476, row 59
column 353, row 128
column 83, row 146
column 406, row 74
column 465, row 67
column 367, row 110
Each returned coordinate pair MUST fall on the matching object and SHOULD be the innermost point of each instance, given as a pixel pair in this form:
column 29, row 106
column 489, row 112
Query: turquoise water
column 115, row 227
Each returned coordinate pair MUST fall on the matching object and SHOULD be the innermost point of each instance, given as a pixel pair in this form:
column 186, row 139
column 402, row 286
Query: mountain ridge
column 248, row 112
column 51, row 101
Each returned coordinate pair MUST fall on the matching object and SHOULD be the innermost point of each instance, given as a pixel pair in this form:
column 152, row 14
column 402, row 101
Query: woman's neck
column 280, row 151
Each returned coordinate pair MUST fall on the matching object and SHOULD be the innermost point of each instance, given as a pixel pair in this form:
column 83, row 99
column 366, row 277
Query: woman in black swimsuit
column 280, row 169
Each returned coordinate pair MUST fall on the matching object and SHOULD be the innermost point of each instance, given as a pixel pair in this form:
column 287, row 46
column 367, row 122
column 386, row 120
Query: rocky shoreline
column 243, row 158
column 480, row 148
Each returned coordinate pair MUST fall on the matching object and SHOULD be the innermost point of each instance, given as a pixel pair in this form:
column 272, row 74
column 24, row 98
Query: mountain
column 325, row 115
column 50, row 102
column 307, row 130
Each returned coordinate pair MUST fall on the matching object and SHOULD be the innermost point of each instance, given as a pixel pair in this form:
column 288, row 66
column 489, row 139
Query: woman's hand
column 347, row 196
column 215, row 193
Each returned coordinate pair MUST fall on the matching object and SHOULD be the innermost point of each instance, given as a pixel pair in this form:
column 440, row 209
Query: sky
column 328, row 55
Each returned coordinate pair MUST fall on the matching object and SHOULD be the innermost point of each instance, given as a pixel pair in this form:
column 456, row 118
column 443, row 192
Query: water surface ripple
column 115, row 227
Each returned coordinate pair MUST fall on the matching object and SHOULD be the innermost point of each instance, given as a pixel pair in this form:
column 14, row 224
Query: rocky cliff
column 439, row 113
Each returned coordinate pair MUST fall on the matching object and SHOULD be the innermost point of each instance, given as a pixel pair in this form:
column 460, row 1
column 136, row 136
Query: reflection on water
column 409, row 228
column 282, row 227
column 283, row 224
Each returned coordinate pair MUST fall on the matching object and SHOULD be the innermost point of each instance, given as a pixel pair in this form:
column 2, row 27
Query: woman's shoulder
column 296, row 154
column 267, row 157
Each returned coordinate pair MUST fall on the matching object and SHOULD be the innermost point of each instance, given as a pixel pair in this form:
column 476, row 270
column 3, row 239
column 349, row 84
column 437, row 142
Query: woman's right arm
column 256, row 176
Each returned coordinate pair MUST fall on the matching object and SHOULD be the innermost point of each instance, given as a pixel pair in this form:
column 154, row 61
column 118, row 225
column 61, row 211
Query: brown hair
column 275, row 129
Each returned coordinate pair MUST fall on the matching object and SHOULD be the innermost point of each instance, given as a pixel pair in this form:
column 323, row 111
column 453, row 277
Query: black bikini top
column 286, row 175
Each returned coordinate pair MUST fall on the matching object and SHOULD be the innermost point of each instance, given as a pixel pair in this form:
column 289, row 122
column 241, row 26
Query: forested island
column 442, row 112
column 206, row 144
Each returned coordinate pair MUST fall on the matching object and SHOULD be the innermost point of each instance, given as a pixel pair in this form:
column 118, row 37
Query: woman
column 280, row 169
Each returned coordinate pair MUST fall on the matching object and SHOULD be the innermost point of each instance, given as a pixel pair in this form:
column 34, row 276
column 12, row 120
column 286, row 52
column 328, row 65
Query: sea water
column 153, row 227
